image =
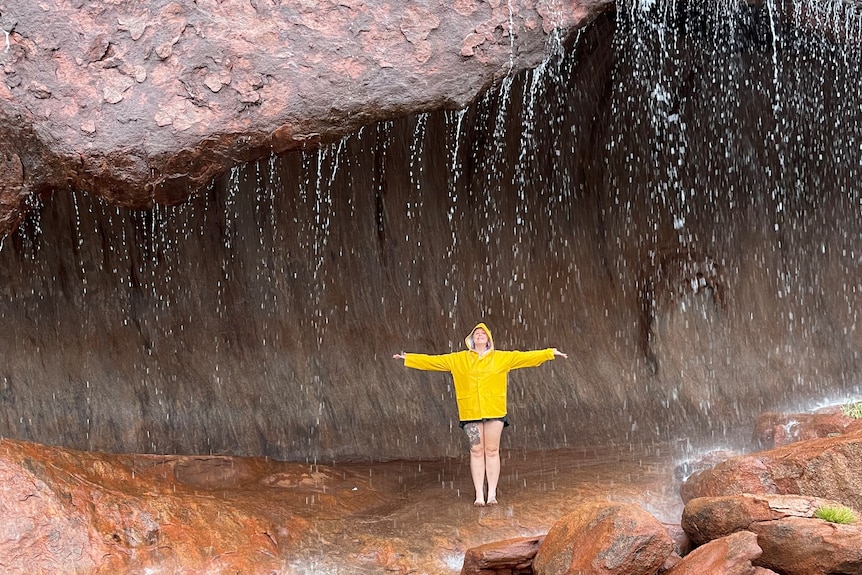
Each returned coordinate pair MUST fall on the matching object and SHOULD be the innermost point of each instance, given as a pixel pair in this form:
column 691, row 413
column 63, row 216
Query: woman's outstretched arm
column 426, row 362
column 518, row 359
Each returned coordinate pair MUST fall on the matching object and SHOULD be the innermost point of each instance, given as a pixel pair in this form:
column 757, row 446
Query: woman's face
column 480, row 339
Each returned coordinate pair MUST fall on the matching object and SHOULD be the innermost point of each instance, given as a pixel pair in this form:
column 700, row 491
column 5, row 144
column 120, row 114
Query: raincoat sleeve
column 519, row 359
column 429, row 362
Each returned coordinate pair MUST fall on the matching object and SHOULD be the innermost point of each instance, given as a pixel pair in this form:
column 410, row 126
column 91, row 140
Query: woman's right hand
column 399, row 356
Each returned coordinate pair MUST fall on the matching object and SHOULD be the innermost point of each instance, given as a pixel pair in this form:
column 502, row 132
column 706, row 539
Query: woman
column 480, row 376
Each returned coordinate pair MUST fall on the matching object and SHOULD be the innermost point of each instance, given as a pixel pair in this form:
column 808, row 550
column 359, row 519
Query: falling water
column 639, row 200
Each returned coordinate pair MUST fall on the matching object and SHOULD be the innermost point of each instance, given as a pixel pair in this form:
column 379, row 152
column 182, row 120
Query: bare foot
column 479, row 503
column 492, row 502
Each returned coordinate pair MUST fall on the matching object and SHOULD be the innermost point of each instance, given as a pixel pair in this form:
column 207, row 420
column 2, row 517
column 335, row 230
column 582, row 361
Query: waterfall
column 672, row 198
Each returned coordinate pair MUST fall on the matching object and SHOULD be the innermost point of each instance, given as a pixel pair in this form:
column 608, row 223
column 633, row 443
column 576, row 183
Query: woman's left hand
column 559, row 353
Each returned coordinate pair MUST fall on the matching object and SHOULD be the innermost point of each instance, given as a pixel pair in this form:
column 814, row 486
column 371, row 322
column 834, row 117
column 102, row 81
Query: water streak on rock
column 639, row 201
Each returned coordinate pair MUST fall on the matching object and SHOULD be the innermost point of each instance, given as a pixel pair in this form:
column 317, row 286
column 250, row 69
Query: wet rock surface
column 743, row 534
column 830, row 468
column 708, row 518
column 800, row 546
column 95, row 513
column 68, row 511
column 775, row 429
column 514, row 556
column 144, row 103
column 730, row 555
column 782, row 491
column 258, row 318
column 603, row 537
column 606, row 510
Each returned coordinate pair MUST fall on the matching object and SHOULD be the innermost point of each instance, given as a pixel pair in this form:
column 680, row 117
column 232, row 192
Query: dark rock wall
column 677, row 206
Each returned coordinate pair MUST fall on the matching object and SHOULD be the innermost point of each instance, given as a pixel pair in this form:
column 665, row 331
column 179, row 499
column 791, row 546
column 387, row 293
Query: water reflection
column 428, row 521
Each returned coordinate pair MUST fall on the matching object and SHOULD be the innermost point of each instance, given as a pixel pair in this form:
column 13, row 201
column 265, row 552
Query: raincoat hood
column 469, row 339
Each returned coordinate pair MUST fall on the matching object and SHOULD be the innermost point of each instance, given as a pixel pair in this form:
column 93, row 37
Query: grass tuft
column 852, row 410
column 836, row 514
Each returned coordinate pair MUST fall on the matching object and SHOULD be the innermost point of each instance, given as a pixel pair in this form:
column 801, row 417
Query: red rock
column 799, row 546
column 67, row 511
column 682, row 544
column 512, row 557
column 830, row 468
column 145, row 104
column 669, row 563
column 739, row 474
column 777, row 429
column 604, row 538
column 731, row 555
column 703, row 461
column 708, row 518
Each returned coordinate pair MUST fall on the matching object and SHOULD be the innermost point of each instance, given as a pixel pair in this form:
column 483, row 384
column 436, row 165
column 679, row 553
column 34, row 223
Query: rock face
column 731, row 555
column 792, row 539
column 743, row 534
column 708, row 518
column 66, row 511
column 799, row 546
column 775, row 429
column 260, row 316
column 145, row 103
column 604, row 537
column 512, row 557
column 786, row 537
column 830, row 468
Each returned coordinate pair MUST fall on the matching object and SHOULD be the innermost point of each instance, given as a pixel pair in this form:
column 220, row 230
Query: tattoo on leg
column 472, row 430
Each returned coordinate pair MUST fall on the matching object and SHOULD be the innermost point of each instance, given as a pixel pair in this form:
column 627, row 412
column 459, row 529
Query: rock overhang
column 146, row 104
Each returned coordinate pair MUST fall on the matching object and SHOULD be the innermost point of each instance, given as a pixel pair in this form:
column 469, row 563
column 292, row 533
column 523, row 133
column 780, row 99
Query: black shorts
column 504, row 419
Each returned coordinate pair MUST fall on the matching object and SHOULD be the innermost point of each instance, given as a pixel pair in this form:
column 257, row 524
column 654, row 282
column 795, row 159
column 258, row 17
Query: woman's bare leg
column 475, row 435
column 491, row 434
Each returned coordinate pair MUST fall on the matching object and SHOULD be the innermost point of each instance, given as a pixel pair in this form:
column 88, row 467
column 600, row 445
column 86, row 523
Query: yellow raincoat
column 480, row 380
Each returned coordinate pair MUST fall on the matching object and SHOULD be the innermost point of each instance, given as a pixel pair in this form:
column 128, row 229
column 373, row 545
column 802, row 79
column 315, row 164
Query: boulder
column 830, row 468
column 738, row 474
column 699, row 462
column 776, row 429
column 607, row 538
column 731, row 555
column 800, row 546
column 509, row 557
column 708, row 518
